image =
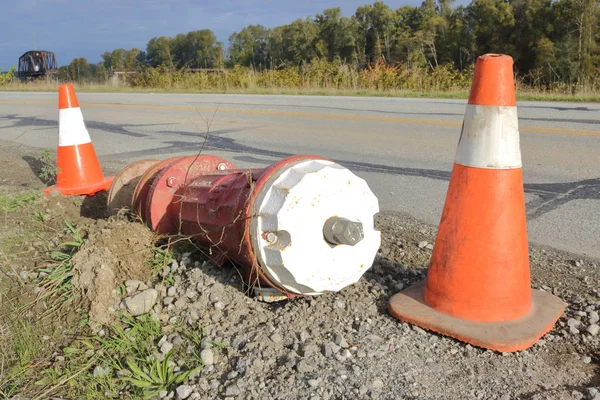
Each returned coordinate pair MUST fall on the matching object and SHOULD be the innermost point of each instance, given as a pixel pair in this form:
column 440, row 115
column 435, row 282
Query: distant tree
column 158, row 52
column 491, row 22
column 336, row 35
column 298, row 41
column 250, row 47
column 550, row 40
column 197, row 49
column 80, row 70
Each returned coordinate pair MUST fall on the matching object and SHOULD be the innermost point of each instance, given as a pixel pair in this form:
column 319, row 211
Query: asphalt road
column 404, row 148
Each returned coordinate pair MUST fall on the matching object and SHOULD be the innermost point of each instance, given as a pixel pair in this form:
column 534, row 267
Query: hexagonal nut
column 343, row 231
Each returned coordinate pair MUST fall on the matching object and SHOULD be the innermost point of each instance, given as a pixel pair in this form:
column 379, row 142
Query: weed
column 10, row 203
column 47, row 167
column 24, row 346
column 329, row 78
column 127, row 356
column 162, row 257
column 39, row 216
column 57, row 282
column 158, row 376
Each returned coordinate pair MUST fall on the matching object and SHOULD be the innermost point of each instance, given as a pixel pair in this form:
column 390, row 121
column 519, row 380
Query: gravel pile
column 346, row 346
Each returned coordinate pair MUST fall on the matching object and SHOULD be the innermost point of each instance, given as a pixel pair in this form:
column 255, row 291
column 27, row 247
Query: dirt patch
column 115, row 251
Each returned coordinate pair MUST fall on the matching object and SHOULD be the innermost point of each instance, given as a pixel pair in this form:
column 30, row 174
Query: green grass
column 23, row 349
column 12, row 202
column 126, row 352
column 56, row 285
column 128, row 356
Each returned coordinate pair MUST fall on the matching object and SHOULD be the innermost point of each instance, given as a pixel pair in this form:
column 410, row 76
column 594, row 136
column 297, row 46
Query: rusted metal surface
column 121, row 192
column 218, row 206
column 164, row 207
column 37, row 64
column 140, row 194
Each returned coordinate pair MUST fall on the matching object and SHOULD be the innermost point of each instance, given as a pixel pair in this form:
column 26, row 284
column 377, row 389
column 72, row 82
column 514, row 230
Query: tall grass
column 325, row 78
column 316, row 75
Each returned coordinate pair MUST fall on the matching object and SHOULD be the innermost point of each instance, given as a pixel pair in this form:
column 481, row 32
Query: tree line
column 550, row 40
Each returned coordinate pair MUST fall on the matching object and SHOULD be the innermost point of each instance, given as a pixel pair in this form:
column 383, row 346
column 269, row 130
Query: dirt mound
column 115, row 251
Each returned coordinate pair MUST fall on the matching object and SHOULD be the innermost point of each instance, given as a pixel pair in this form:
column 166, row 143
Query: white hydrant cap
column 287, row 234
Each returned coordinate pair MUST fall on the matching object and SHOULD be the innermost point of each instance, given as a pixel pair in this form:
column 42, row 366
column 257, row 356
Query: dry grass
column 317, row 78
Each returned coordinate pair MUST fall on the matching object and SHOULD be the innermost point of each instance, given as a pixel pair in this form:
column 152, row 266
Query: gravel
column 346, row 345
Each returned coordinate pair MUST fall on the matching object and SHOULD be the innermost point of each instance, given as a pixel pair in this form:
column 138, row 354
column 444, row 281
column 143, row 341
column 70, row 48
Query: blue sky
column 87, row 28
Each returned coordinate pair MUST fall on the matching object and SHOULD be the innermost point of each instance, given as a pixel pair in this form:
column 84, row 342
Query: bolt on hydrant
column 302, row 226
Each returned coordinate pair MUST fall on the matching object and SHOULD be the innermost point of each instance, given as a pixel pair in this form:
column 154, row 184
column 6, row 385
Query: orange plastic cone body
column 478, row 284
column 78, row 169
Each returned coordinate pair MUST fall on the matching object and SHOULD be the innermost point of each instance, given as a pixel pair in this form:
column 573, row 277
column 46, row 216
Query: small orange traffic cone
column 78, row 170
column 478, row 285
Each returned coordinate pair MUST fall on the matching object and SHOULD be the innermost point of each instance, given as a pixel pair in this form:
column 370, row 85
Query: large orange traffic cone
column 78, row 170
column 478, row 285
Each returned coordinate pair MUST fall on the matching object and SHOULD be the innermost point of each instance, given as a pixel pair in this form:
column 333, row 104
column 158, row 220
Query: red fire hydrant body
column 226, row 210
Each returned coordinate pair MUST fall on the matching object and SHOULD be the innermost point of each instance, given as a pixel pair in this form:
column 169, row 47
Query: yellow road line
column 346, row 117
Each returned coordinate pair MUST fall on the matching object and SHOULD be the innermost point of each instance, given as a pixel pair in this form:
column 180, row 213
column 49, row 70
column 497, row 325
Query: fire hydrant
column 302, row 226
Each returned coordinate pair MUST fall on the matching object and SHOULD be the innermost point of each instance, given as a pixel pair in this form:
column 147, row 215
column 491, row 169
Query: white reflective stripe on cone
column 71, row 128
column 489, row 138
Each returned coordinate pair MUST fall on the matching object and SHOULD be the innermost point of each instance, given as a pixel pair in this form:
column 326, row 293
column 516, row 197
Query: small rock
column 276, row 338
column 429, row 246
column 232, row 391
column 134, row 286
column 593, row 329
column 207, row 357
column 573, row 330
column 309, row 349
column 232, row 375
column 184, row 391
column 340, row 341
column 24, row 275
column 304, row 336
column 313, row 382
column 141, row 302
column 422, row 244
column 593, row 317
column 339, row 304
column 327, row 352
column 572, row 322
column 377, row 384
column 586, row 359
column 162, row 394
column 304, row 367
column 166, row 347
column 593, row 394
column 219, row 305
column 99, row 372
column 168, row 300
